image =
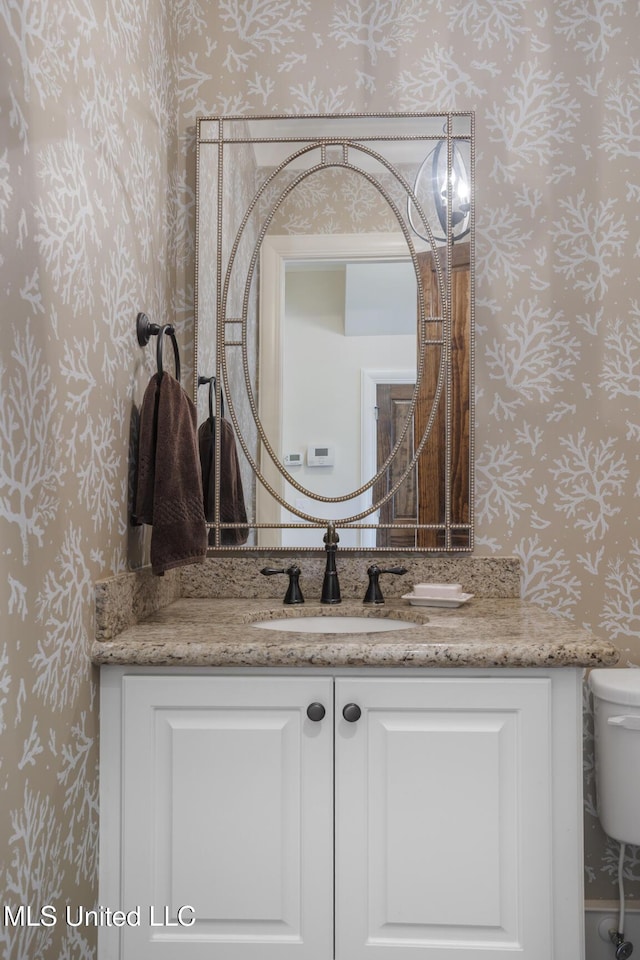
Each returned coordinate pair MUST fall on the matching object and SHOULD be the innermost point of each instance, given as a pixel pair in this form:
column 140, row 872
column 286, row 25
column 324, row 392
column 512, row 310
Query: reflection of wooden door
column 423, row 497
column 393, row 401
column 446, row 452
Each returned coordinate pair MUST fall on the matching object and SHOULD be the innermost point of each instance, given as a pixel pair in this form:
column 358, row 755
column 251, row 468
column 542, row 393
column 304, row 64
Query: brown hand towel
column 169, row 485
column 232, row 505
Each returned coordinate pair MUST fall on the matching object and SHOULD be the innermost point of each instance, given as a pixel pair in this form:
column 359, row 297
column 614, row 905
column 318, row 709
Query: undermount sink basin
column 331, row 624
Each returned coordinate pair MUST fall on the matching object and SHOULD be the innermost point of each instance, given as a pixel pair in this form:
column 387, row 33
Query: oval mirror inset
column 356, row 318
column 273, row 409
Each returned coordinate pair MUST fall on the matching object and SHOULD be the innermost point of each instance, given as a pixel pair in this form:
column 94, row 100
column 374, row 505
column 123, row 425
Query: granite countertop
column 485, row 632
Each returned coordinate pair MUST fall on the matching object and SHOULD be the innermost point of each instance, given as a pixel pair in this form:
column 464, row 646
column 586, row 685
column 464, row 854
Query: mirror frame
column 265, row 489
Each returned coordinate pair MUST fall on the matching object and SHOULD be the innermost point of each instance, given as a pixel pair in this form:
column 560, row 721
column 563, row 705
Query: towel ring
column 212, row 382
column 169, row 329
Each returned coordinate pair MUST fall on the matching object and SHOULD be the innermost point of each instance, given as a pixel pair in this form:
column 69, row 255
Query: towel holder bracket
column 145, row 329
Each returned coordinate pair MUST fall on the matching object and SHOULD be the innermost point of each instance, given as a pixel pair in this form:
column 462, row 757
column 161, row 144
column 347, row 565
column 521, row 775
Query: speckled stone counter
column 485, row 632
column 127, row 598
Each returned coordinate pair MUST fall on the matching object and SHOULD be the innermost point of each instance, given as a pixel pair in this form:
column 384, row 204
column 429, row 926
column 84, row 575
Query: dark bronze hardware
column 330, row 584
column 351, row 712
column 374, row 593
column 294, row 593
column 316, row 712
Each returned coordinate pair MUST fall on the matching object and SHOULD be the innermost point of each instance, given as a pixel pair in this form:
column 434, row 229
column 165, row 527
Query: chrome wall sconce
column 436, row 185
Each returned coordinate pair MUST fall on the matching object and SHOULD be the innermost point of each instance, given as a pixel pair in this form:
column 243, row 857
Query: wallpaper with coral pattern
column 98, row 100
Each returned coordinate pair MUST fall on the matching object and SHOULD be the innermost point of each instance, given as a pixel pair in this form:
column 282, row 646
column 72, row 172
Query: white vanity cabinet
column 444, row 822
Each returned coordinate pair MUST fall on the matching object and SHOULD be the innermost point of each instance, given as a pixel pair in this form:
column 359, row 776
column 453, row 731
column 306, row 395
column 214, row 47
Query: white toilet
column 616, row 714
column 616, row 703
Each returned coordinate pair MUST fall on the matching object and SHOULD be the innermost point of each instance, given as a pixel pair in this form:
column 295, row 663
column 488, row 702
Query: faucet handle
column 294, row 593
column 374, row 593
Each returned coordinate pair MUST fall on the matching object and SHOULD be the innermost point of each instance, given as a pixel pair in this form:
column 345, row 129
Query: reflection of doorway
column 284, row 262
column 401, row 384
column 393, row 403
column 445, row 457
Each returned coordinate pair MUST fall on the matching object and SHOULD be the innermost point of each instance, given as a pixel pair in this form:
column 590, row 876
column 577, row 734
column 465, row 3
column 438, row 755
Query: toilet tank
column 616, row 712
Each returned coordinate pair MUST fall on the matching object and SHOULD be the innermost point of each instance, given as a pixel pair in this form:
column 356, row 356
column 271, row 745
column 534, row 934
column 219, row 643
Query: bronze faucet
column 330, row 585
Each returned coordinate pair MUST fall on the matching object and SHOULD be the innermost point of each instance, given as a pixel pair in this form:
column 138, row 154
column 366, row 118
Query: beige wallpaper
column 92, row 213
column 97, row 107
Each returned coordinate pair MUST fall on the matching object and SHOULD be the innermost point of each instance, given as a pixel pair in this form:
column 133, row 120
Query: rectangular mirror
column 334, row 330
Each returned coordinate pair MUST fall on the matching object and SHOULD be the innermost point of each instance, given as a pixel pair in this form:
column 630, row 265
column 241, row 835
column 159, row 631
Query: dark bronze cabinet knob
column 352, row 712
column 316, row 712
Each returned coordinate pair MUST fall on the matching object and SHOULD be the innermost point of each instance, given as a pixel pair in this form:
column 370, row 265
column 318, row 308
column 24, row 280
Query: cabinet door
column 227, row 812
column 443, row 819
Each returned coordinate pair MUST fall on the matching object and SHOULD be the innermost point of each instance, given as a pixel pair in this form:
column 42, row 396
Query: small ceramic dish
column 456, row 600
column 437, row 589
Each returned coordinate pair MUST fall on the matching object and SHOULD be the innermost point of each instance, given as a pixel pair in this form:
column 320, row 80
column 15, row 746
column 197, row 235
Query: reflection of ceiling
column 380, row 296
column 380, row 299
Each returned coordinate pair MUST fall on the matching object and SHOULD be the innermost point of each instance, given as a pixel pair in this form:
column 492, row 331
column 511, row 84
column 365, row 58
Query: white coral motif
column 621, row 124
column 587, row 477
column 621, row 609
column 266, row 26
column 441, row 79
column 534, row 120
column 589, row 240
column 500, row 482
column 68, row 215
column 79, row 777
column 30, row 459
column 620, row 375
column 380, row 26
column 33, row 876
column 536, row 356
column 546, row 577
column 586, row 25
column 61, row 662
column 488, row 22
